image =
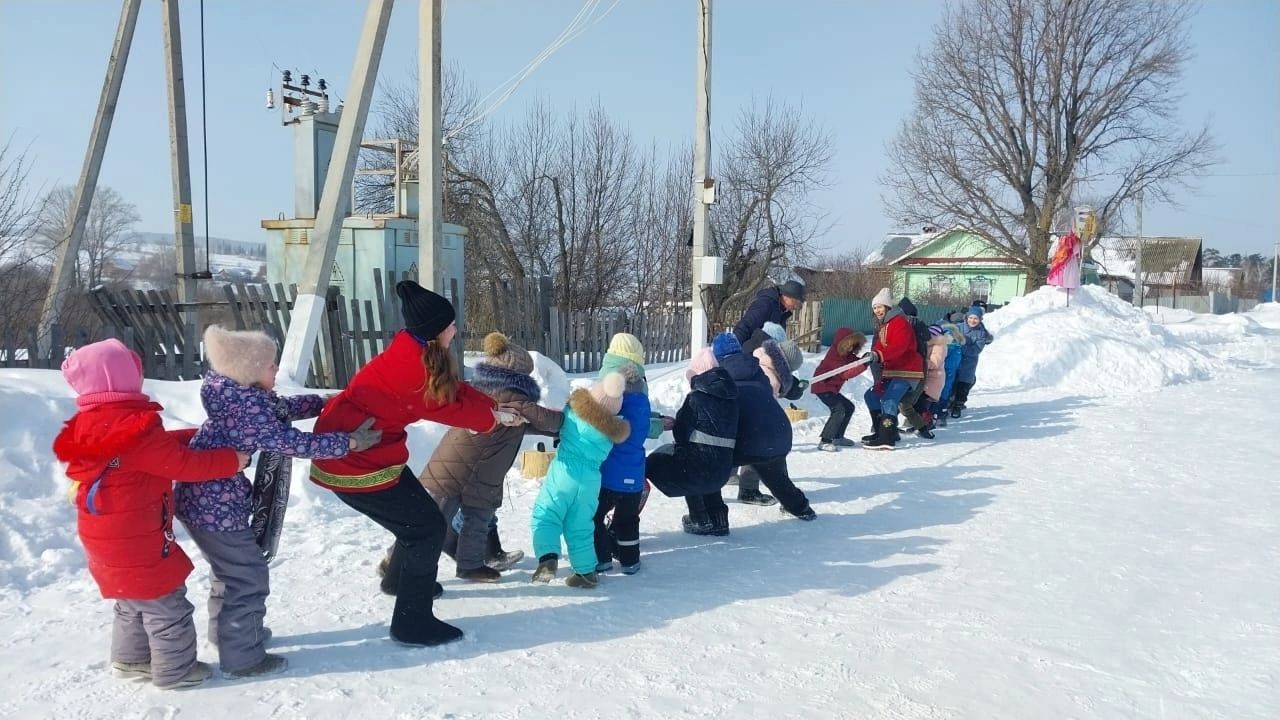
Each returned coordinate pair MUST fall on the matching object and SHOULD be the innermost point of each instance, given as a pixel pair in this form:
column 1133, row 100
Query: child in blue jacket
column 622, row 474
column 955, row 353
column 976, row 337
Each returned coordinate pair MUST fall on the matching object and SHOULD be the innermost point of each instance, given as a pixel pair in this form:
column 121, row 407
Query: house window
column 980, row 288
column 940, row 285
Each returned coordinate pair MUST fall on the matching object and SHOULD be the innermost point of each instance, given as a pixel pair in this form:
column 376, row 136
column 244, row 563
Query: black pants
column 841, row 411
column 408, row 512
column 773, row 473
column 708, row 503
column 622, row 536
column 960, row 393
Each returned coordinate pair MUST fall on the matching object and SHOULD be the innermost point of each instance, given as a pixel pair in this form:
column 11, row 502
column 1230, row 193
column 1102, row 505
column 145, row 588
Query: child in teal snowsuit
column 571, row 490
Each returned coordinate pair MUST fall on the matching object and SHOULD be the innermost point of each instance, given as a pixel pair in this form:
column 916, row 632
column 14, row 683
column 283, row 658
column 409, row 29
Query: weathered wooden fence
column 163, row 333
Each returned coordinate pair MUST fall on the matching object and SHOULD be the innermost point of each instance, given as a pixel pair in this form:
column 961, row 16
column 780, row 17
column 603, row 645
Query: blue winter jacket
column 705, row 434
column 766, row 307
column 623, row 470
column 951, row 365
column 975, row 338
column 764, row 432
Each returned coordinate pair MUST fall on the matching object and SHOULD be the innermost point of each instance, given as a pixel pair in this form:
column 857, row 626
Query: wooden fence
column 163, row 333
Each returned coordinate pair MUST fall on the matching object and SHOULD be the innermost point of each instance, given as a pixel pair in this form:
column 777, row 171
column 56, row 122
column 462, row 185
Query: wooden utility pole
column 335, row 197
column 179, row 160
column 701, row 175
column 69, row 249
column 1139, row 286
column 430, row 148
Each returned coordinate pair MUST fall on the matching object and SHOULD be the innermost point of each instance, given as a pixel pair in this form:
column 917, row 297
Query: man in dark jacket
column 775, row 304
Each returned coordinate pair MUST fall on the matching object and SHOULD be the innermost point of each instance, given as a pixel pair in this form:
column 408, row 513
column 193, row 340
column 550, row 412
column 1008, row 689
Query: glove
column 869, row 356
column 364, row 437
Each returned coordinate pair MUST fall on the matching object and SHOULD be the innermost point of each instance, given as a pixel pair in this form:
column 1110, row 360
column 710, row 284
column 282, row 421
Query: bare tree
column 107, row 232
column 1021, row 104
column 396, row 118
column 765, row 220
column 20, row 207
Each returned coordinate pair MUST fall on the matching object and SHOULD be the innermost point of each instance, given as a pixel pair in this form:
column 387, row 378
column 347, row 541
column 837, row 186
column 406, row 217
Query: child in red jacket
column 124, row 463
column 845, row 348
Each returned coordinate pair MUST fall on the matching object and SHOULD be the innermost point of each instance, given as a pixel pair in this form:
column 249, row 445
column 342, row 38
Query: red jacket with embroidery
column 128, row 535
column 895, row 343
column 390, row 389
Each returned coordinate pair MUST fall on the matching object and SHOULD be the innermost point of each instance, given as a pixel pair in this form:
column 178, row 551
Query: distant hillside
column 218, row 245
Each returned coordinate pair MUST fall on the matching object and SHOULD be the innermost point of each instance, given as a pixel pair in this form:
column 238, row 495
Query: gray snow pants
column 159, row 632
column 473, row 541
column 238, row 587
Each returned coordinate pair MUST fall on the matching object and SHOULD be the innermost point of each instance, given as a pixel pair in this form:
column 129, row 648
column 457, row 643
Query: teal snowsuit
column 570, row 494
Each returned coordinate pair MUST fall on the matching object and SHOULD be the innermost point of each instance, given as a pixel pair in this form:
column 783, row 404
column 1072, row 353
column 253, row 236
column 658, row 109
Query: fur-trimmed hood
column 954, row 331
column 598, row 416
column 775, row 366
column 848, row 341
column 493, row 379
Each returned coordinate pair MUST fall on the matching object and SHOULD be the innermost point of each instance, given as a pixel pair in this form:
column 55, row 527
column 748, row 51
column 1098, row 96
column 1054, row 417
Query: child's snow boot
column 496, row 557
column 586, row 582
column 755, row 497
column 196, row 675
column 269, row 665
column 131, row 671
column 547, row 566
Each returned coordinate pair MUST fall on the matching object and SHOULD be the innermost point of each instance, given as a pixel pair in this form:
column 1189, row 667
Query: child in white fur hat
column 245, row 413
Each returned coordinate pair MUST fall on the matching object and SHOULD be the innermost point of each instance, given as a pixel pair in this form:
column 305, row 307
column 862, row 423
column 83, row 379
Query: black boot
column 697, row 522
column 875, row 426
column 887, row 435
column 755, row 497
column 496, row 557
column 926, row 431
column 719, row 521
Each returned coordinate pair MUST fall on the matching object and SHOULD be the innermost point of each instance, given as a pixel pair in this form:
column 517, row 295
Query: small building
column 1171, row 266
column 955, row 263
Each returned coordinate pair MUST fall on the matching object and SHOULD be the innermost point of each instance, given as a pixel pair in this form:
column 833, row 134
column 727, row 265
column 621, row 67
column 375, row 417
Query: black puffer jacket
column 764, row 432
column 705, row 431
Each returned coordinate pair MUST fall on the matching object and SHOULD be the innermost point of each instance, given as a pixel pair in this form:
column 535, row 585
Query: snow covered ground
column 1097, row 538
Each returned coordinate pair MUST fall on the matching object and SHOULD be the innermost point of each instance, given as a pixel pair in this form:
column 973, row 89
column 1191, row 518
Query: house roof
column 1166, row 260
column 986, row 261
column 897, row 244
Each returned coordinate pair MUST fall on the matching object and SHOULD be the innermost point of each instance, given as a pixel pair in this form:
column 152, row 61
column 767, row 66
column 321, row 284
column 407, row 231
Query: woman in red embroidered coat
column 414, row 379
column 124, row 464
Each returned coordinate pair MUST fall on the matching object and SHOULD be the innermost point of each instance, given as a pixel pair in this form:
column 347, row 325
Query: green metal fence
column 856, row 314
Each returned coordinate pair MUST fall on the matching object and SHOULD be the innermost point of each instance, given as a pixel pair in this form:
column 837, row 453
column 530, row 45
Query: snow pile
column 1096, row 345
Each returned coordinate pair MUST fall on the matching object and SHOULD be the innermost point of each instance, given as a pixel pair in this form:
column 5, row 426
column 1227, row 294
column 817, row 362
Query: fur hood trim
column 598, row 416
column 493, row 379
column 240, row 355
column 954, row 330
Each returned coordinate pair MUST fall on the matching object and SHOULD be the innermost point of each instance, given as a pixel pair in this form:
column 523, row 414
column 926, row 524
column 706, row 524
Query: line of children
column 124, row 464
column 942, row 408
column 244, row 412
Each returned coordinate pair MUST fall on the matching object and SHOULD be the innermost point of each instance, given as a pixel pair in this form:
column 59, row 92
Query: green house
column 956, row 264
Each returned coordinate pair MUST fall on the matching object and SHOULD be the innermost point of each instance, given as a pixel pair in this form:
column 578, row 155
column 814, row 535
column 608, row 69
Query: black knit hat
column 792, row 289
column 426, row 314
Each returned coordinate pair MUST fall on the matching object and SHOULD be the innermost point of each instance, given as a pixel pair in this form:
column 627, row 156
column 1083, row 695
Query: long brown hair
column 442, row 373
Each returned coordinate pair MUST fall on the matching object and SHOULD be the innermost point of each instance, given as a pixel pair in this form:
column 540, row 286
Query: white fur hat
column 242, row 355
column 884, row 297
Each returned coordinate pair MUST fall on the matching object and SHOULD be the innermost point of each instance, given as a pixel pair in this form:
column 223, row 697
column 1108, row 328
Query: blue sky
column 848, row 62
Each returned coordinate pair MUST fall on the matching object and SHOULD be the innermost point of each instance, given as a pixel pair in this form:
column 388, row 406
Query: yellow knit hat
column 627, row 346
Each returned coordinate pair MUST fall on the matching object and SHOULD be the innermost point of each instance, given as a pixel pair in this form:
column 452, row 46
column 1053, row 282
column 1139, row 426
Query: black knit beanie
column 426, row 314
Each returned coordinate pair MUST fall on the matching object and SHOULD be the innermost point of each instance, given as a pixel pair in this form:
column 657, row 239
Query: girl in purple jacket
column 245, row 413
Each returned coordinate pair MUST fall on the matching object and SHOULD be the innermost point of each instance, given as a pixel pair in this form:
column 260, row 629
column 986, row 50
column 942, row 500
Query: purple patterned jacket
column 247, row 419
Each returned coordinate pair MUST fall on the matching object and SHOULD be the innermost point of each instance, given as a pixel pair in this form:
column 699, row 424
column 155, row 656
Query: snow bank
column 1096, row 345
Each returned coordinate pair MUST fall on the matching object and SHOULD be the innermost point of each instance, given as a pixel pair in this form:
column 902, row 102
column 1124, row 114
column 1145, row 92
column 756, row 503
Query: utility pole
column 702, row 183
column 1275, row 264
column 180, row 162
column 430, row 141
column 69, row 249
column 1138, row 285
column 335, row 197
